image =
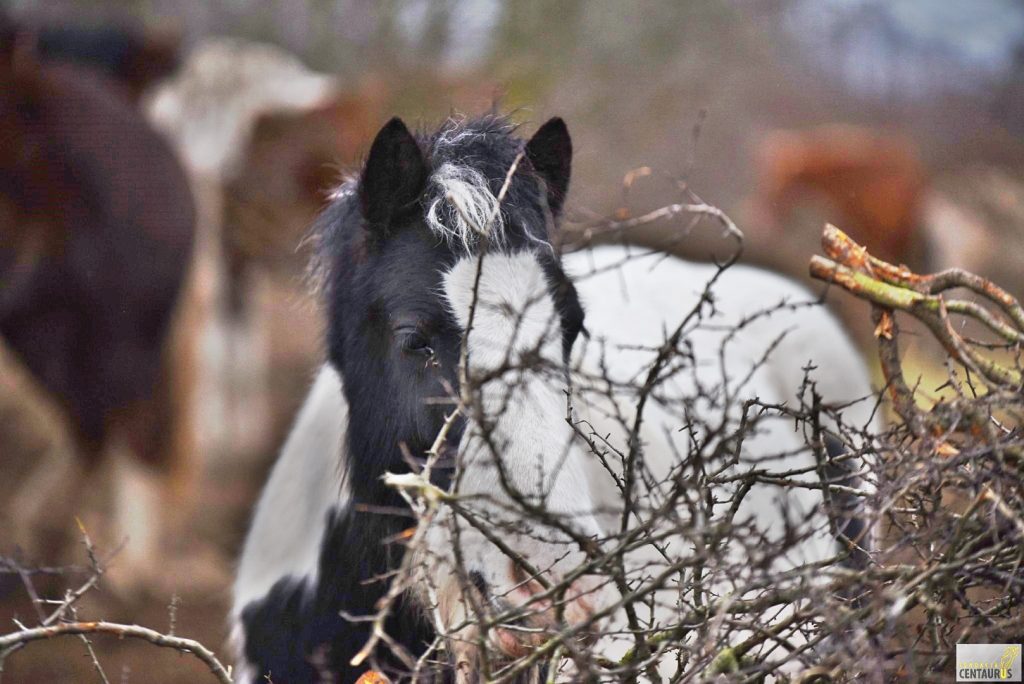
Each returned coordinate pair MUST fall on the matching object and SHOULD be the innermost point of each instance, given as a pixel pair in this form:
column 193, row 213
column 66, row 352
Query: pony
column 96, row 233
column 436, row 265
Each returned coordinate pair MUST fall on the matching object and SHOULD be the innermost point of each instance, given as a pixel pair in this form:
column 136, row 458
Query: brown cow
column 872, row 183
column 134, row 58
column 292, row 160
column 96, row 229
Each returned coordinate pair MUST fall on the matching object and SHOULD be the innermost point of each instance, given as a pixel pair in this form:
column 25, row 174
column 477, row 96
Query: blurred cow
column 134, row 58
column 974, row 219
column 96, row 235
column 264, row 139
column 292, row 159
column 872, row 184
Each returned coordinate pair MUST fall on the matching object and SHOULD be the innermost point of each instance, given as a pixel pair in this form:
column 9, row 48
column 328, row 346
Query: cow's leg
column 42, row 512
column 136, row 520
column 162, row 552
column 247, row 342
column 45, row 467
column 154, row 448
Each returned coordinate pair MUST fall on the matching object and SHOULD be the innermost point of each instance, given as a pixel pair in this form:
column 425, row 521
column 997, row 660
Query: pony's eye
column 416, row 342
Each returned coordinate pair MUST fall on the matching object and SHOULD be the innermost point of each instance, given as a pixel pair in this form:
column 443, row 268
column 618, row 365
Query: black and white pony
column 403, row 280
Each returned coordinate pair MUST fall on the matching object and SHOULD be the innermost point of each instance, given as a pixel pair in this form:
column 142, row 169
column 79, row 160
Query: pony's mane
column 469, row 160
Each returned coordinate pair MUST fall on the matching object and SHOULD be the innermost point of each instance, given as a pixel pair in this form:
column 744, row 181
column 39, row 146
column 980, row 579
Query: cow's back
column 98, row 234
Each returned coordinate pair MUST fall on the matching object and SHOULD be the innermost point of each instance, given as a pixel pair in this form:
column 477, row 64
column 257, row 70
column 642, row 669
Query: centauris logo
column 988, row 662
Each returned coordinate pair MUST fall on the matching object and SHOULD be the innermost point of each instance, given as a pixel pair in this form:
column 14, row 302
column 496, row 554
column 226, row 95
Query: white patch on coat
column 515, row 316
column 630, row 308
column 291, row 517
column 242, row 671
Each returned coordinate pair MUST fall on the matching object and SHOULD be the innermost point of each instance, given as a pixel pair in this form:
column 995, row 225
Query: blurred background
column 193, row 143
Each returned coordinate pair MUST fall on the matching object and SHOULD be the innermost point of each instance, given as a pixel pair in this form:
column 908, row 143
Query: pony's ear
column 550, row 153
column 394, row 176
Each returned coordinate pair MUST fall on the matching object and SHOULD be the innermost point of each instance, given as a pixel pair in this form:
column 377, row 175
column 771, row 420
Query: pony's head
column 389, row 243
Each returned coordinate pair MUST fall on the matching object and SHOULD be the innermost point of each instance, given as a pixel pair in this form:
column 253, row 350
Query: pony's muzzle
column 524, row 617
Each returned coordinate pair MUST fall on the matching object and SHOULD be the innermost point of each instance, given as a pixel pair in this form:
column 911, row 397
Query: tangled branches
column 64, row 619
column 699, row 554
column 685, row 583
column 952, row 500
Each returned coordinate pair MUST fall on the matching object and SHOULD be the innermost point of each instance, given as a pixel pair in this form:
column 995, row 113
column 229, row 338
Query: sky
column 913, row 46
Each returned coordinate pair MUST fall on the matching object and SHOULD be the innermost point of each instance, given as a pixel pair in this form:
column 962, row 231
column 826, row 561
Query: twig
column 9, row 642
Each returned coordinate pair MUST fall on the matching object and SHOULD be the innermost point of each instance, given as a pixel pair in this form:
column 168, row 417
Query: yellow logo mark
column 1006, row 662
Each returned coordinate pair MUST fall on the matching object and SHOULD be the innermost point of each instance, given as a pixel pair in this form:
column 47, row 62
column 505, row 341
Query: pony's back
column 753, row 342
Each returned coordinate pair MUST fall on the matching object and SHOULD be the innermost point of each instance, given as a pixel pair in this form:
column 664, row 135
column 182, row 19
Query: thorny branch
column 25, row 636
column 64, row 619
column 895, row 288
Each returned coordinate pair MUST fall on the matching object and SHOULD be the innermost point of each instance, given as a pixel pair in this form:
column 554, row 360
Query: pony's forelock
column 463, row 209
column 346, row 189
column 472, row 157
